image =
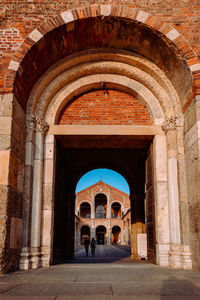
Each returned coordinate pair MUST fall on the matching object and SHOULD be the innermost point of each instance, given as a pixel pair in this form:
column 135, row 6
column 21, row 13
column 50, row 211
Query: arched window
column 100, row 212
column 116, row 210
column 85, row 210
column 100, row 206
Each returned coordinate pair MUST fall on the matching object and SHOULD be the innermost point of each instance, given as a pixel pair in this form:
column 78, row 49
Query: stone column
column 161, row 200
column 48, row 201
column 92, row 215
column 41, row 128
column 186, row 260
column 173, row 192
column 25, row 263
column 109, row 218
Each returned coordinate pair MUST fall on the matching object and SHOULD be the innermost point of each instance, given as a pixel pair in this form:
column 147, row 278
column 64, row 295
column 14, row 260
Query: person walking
column 93, row 246
column 86, row 245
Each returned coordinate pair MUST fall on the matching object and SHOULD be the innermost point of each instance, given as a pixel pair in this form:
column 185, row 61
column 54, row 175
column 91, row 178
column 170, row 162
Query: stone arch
column 122, row 64
column 55, row 89
column 170, row 34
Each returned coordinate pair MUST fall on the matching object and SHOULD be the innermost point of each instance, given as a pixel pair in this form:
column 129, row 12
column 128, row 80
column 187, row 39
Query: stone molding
column 30, row 122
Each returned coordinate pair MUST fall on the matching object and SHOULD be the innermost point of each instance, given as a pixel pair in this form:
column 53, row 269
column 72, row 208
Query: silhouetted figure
column 93, row 246
column 86, row 245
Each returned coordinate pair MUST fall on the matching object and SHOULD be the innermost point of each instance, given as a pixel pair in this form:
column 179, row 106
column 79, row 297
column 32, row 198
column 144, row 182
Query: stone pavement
column 109, row 275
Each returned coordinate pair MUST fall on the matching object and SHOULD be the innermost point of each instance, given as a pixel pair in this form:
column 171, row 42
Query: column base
column 162, row 255
column 35, row 260
column 46, row 256
column 186, row 258
column 175, row 256
column 25, row 260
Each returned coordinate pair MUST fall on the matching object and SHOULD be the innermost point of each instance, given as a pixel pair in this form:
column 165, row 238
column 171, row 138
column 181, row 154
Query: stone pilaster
column 169, row 127
column 92, row 215
column 25, row 263
column 41, row 128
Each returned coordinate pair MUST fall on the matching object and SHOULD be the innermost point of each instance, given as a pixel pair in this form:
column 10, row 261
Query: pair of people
column 92, row 244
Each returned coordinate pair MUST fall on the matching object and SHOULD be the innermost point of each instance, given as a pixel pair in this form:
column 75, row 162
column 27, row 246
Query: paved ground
column 109, row 275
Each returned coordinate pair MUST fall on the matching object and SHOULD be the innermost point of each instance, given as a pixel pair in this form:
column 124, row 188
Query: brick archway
column 165, row 31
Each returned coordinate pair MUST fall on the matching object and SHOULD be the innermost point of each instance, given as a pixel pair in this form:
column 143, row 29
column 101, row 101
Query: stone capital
column 168, row 125
column 179, row 120
column 41, row 125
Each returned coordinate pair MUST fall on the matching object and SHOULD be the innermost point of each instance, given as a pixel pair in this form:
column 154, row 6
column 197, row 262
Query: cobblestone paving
column 108, row 275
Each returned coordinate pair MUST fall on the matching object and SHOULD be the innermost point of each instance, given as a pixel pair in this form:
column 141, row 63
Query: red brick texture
column 45, row 16
column 105, row 107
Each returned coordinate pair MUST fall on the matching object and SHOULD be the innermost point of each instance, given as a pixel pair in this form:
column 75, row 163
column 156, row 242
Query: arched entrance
column 101, row 235
column 85, row 233
column 116, row 238
column 148, row 151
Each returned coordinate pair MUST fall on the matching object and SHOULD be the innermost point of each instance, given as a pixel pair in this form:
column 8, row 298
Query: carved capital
column 41, row 125
column 30, row 122
column 168, row 125
column 179, row 120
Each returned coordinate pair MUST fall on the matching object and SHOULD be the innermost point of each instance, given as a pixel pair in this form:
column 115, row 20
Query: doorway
column 85, row 234
column 100, row 235
column 116, row 239
column 77, row 155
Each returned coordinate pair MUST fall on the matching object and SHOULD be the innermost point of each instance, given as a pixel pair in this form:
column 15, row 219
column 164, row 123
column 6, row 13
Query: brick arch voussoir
column 132, row 13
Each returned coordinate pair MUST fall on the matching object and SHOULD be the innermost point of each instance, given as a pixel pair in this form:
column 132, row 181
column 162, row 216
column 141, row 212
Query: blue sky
column 106, row 175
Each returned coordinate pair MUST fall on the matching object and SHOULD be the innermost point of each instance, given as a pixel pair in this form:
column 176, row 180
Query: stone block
column 14, row 65
column 160, row 157
column 4, row 160
column 35, row 35
column 47, row 227
column 48, row 171
column 3, row 199
column 5, row 142
column 6, row 105
column 67, row 16
column 162, row 213
column 5, row 125
column 49, row 150
column 190, row 118
column 48, row 196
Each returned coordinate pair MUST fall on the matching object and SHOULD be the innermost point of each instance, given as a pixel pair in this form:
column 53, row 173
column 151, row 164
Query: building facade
column 103, row 213
column 91, row 84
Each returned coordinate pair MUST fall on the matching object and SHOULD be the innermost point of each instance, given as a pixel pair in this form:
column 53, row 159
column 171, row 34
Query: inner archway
column 101, row 235
column 116, row 238
column 85, row 234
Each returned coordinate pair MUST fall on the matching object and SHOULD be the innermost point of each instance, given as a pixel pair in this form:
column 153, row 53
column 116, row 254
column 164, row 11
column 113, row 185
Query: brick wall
column 26, row 15
column 105, row 107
